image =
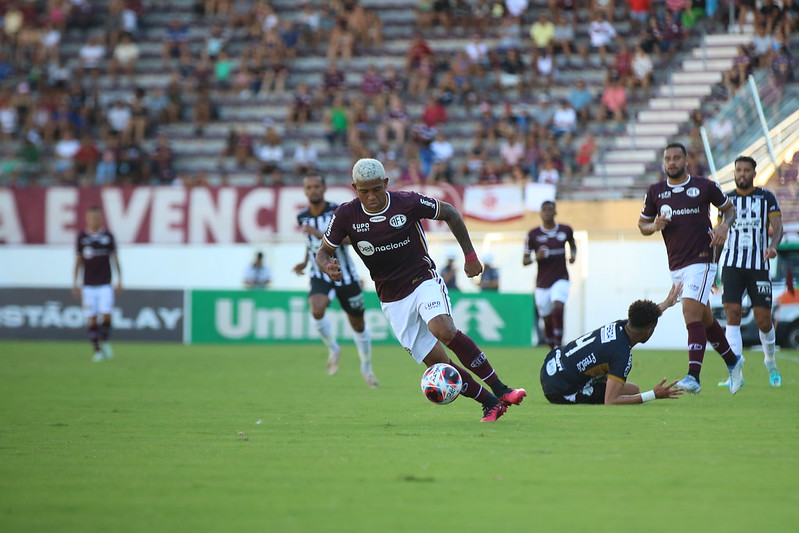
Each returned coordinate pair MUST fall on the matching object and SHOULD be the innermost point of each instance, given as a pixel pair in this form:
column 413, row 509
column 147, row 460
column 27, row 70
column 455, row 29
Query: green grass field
column 150, row 441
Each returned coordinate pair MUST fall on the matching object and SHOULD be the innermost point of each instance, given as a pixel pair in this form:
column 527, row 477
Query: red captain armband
column 471, row 257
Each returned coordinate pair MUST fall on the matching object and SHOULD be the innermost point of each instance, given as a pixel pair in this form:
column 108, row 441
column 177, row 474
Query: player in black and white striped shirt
column 745, row 261
column 313, row 222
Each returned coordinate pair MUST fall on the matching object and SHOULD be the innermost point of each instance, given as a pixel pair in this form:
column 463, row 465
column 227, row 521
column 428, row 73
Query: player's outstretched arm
column 450, row 215
column 669, row 392
column 672, row 298
column 614, row 396
column 326, row 259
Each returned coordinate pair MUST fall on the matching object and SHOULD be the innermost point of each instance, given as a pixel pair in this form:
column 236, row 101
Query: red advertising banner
column 167, row 215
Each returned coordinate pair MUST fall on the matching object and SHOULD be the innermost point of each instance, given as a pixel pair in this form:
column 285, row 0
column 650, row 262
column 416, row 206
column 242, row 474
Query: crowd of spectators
column 63, row 125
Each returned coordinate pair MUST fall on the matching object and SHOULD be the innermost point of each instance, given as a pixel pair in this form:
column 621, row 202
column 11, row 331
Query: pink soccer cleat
column 492, row 414
column 513, row 397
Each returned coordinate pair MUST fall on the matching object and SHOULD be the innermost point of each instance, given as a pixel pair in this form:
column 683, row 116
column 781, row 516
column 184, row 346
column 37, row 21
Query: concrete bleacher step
column 641, row 142
column 614, row 182
column 621, row 168
column 696, row 77
column 654, row 128
column 699, row 90
column 663, row 115
column 630, row 156
column 715, row 52
column 702, row 65
column 674, row 103
column 728, row 39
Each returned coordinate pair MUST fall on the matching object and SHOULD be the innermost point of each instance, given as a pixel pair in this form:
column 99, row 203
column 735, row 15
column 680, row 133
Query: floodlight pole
column 708, row 153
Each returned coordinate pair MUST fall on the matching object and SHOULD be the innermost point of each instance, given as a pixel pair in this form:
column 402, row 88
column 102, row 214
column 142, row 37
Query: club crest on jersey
column 397, row 221
column 361, row 227
column 693, row 192
column 561, row 236
column 378, row 218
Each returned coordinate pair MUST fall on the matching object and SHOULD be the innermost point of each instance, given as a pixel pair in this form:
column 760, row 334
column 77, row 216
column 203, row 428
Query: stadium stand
column 229, row 91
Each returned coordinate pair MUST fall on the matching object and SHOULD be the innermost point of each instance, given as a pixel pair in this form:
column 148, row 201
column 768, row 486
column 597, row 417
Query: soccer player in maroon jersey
column 548, row 242
column 679, row 208
column 96, row 251
column 386, row 232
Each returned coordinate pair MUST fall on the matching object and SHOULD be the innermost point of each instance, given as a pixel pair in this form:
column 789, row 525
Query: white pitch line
column 791, row 358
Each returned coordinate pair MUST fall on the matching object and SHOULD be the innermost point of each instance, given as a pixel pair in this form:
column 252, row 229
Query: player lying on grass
column 386, row 232
column 593, row 369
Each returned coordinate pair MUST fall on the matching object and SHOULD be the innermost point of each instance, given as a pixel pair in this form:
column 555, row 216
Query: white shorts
column 98, row 300
column 697, row 280
column 558, row 292
column 409, row 317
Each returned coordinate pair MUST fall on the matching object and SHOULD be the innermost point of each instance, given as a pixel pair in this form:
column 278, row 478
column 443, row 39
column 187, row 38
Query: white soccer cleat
column 108, row 353
column 737, row 375
column 370, row 379
column 689, row 384
column 98, row 356
column 334, row 354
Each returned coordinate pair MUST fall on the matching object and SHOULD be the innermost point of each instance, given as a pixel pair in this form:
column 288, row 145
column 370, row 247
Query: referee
column 745, row 262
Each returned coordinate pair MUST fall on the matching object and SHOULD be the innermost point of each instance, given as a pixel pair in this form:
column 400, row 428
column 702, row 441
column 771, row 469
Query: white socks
column 733, row 334
column 326, row 332
column 363, row 341
column 768, row 340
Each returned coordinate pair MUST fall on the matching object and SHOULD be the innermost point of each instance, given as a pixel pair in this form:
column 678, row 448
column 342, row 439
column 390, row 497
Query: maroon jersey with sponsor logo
column 96, row 250
column 553, row 266
column 391, row 243
column 687, row 235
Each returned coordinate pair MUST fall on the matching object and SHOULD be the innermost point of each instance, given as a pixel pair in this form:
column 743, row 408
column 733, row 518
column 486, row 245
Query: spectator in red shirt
column 417, row 50
column 639, row 12
column 434, row 112
column 622, row 63
column 85, row 159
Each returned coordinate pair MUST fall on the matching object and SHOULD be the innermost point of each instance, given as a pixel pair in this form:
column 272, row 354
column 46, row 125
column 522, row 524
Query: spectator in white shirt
column 305, row 158
column 642, row 69
column 477, row 51
column 443, row 152
column 516, row 8
column 270, row 153
column 65, row 150
column 512, row 152
column 564, row 120
column 548, row 173
column 257, row 275
column 126, row 53
column 92, row 56
column 602, row 34
column 118, row 118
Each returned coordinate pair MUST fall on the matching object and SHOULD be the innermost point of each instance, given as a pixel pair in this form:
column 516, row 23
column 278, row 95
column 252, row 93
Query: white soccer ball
column 441, row 383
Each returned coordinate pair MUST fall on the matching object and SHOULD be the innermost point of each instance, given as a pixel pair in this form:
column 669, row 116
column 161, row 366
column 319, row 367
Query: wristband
column 471, row 256
column 647, row 396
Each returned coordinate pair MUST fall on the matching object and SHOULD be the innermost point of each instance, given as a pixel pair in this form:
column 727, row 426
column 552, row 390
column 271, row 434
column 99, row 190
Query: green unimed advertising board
column 284, row 316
